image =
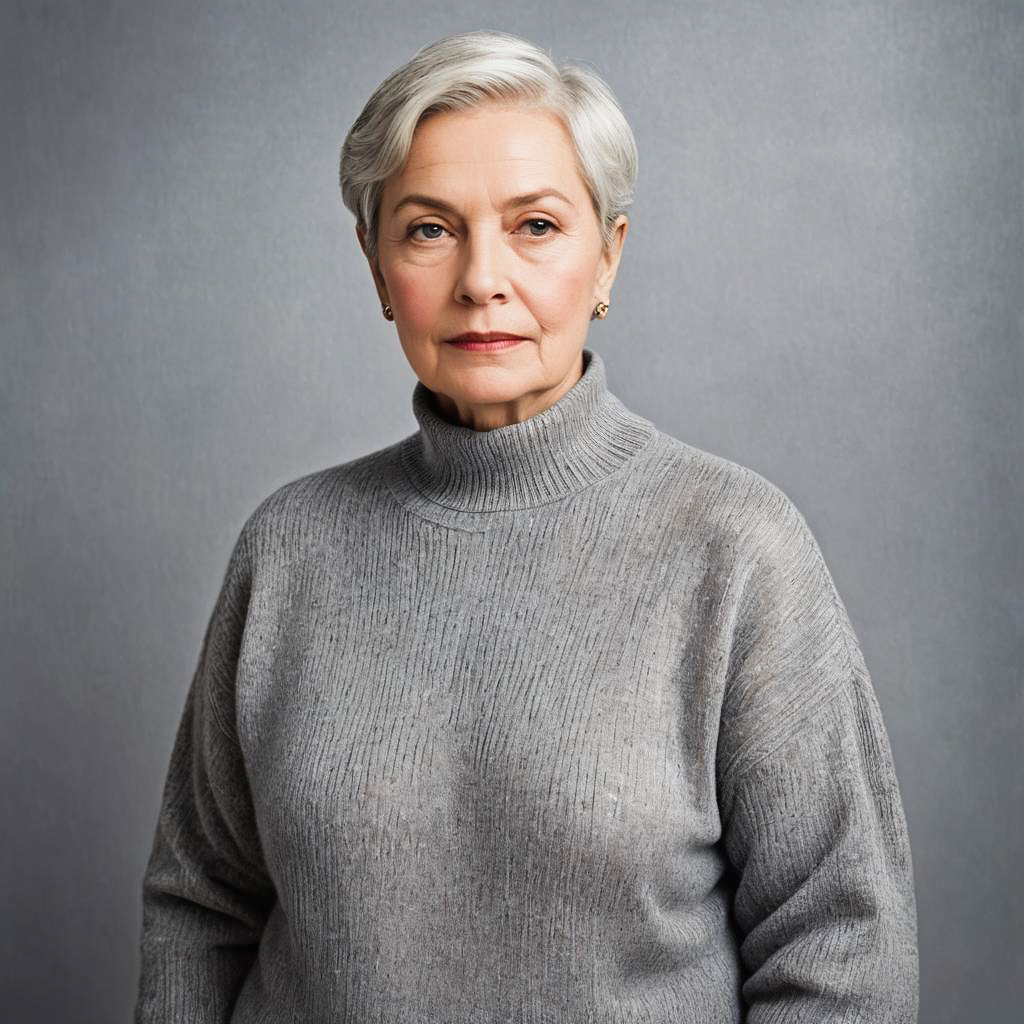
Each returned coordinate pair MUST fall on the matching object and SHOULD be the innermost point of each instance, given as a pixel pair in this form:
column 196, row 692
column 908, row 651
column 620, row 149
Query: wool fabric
column 563, row 721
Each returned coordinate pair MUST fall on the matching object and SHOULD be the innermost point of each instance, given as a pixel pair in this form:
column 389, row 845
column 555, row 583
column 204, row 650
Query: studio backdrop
column 822, row 281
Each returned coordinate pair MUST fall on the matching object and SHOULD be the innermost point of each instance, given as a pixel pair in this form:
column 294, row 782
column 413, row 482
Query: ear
column 609, row 262
column 378, row 278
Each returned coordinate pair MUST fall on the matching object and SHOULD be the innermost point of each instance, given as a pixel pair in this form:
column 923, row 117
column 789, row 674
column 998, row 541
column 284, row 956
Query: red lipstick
column 490, row 342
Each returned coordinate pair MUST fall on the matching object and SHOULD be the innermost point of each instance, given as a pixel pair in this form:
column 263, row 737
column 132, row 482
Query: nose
column 483, row 274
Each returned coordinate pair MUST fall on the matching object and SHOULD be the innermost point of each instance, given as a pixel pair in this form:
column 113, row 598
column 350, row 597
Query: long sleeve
column 813, row 821
column 205, row 892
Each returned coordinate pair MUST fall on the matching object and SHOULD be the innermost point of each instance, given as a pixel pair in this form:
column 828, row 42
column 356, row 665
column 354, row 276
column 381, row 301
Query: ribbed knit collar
column 580, row 439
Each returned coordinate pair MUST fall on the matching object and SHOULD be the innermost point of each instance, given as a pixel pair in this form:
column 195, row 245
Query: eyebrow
column 439, row 204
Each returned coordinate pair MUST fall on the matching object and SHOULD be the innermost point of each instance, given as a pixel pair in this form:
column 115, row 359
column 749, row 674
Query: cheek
column 559, row 294
column 418, row 296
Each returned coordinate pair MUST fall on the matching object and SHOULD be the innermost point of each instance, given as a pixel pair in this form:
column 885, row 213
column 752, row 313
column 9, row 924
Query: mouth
column 494, row 340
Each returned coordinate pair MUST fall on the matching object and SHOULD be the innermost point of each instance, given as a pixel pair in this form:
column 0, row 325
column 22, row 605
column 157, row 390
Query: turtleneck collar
column 580, row 439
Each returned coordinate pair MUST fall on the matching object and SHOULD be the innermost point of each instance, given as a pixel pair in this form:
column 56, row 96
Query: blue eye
column 539, row 227
column 430, row 237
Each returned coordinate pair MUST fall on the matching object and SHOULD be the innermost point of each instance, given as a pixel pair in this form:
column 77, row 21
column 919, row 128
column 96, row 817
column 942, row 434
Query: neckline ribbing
column 580, row 439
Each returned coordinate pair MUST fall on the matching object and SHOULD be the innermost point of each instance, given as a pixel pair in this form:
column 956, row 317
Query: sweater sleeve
column 206, row 894
column 812, row 818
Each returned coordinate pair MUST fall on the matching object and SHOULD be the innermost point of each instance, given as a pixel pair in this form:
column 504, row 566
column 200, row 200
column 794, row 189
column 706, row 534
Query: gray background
column 822, row 281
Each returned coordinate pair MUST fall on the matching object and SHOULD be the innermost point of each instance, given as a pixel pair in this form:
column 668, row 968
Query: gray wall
column 822, row 281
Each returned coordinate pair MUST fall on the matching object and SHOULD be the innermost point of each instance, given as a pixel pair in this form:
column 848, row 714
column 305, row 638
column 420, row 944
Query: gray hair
column 464, row 71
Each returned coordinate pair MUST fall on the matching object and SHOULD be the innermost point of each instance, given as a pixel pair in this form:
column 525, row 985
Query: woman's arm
column 206, row 894
column 813, row 822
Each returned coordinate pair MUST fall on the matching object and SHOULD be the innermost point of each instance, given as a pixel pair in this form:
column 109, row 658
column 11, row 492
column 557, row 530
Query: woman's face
column 489, row 228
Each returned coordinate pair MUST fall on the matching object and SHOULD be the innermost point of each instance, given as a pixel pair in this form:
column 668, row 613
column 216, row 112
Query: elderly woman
column 538, row 714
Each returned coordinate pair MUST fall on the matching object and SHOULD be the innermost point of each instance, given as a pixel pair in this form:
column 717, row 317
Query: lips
column 493, row 341
column 474, row 337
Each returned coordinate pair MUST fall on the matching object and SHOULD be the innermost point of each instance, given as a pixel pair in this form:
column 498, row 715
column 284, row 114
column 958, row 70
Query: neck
column 578, row 440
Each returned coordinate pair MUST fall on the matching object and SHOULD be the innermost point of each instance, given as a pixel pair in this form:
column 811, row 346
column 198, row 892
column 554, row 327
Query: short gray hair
column 469, row 70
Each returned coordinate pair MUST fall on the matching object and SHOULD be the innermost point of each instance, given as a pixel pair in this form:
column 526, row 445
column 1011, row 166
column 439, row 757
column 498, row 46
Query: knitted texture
column 559, row 722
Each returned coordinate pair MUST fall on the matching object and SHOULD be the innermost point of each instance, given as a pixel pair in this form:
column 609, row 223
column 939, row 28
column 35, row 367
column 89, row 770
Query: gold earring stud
column 387, row 311
column 600, row 311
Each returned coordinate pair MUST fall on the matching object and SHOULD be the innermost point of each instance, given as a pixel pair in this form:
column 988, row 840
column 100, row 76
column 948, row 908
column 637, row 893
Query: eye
column 430, row 228
column 541, row 223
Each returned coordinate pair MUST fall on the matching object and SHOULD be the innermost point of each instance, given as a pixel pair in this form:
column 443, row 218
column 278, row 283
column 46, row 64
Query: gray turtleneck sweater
column 559, row 722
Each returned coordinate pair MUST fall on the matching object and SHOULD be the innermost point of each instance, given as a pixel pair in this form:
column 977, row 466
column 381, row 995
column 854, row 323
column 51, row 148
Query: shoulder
column 319, row 508
column 757, row 563
column 759, row 537
column 785, row 641
column 736, row 512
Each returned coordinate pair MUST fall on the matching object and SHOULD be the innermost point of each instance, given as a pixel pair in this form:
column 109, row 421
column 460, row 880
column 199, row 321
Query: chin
column 501, row 387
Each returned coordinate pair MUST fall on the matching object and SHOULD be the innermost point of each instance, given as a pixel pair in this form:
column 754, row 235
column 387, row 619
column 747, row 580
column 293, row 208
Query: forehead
column 527, row 149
